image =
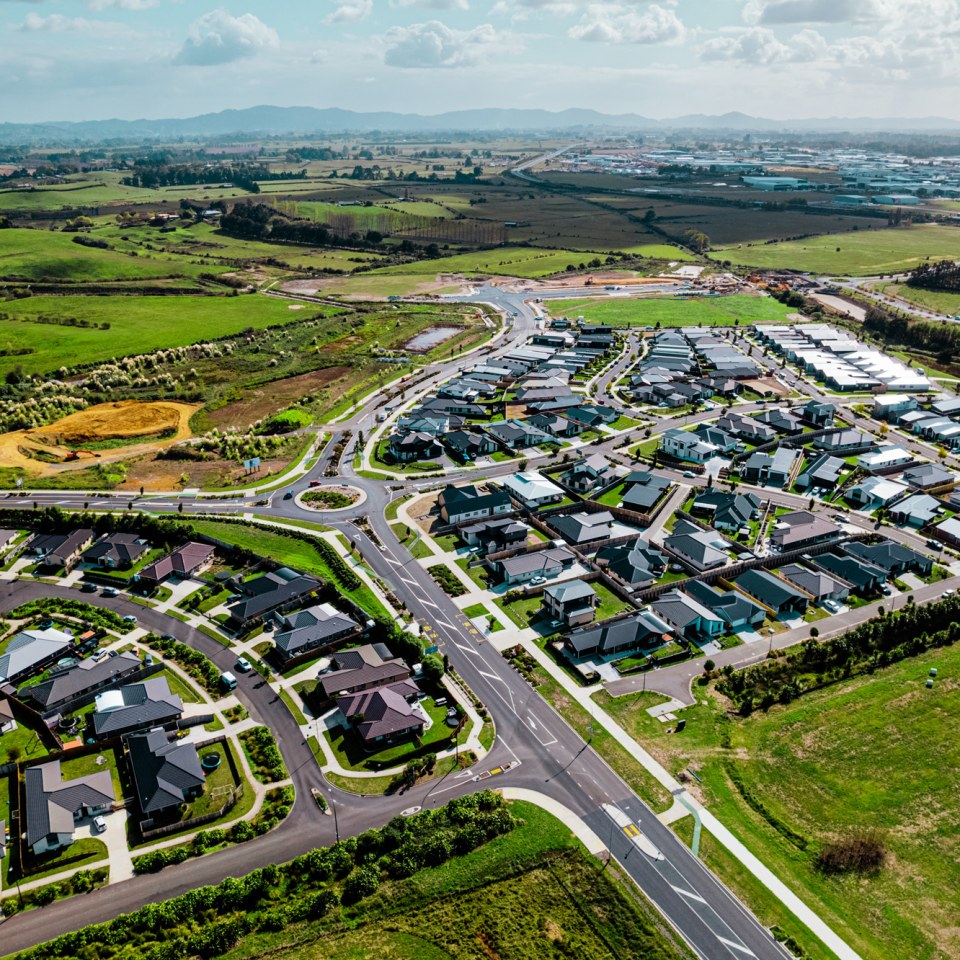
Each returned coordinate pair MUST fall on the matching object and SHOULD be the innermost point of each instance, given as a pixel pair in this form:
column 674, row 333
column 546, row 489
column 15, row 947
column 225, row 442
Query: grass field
column 872, row 752
column 676, row 312
column 863, row 253
column 137, row 325
column 939, row 300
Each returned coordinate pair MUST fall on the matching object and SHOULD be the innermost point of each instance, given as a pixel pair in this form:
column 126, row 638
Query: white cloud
column 122, row 4
column 773, row 12
column 56, row 23
column 433, row 4
column 620, row 24
column 351, row 11
column 434, row 44
column 217, row 37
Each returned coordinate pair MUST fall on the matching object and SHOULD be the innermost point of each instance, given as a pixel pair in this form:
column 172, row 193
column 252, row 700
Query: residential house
column 584, row 529
column 863, row 577
column 875, row 492
column 458, row 504
column 818, row 414
column 892, row 406
column 495, row 535
column 643, row 490
column 116, row 551
column 687, row 446
column 588, row 473
column 571, row 603
column 436, row 425
column 895, row 558
column 77, row 684
column 135, row 706
column 888, row 459
column 557, row 425
column 947, row 530
column 411, row 447
column 644, row 631
column 361, row 668
column 384, row 714
column 727, row 511
column 54, row 806
column 771, row 469
column 821, row 586
column 697, row 549
column 915, row 511
column 783, row 421
column 185, row 562
column 166, row 773
column 59, row 550
column 771, row 591
column 30, row 651
column 822, row 472
column 469, row 445
column 538, row 564
column 718, row 438
column 318, row 627
column 277, row 591
column 532, row 489
column 928, row 476
column 801, row 529
column 734, row 609
column 8, row 723
column 846, row 443
column 517, row 435
column 6, row 538
column 747, row 428
column 635, row 563
column 687, row 616
column 593, row 415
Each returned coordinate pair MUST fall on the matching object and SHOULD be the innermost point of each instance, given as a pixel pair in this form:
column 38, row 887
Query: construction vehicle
column 75, row 455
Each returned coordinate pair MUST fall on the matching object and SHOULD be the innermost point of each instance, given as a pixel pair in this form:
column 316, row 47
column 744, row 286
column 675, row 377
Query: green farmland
column 137, row 325
column 879, row 751
column 675, row 311
column 862, row 253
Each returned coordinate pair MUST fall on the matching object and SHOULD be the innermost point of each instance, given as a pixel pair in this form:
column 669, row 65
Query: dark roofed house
column 821, row 586
column 895, row 558
column 54, row 805
column 116, row 551
column 583, row 529
column 635, row 562
column 413, row 446
column 517, row 434
column 60, row 549
column 571, row 603
column 727, row 511
column 699, row 549
column 818, row 414
column 184, row 562
column 823, row 471
column 846, row 442
column 865, row 578
column 361, row 668
column 524, row 567
column 494, row 535
column 165, row 773
column 278, row 591
column 469, row 503
column 688, row 617
column 319, row 626
column 78, row 683
column 783, row 421
column 557, row 425
column 784, row 599
column 467, row 445
column 642, row 490
column 388, row 713
column 644, row 631
column 136, row 706
column 925, row 476
column 589, row 473
column 737, row 611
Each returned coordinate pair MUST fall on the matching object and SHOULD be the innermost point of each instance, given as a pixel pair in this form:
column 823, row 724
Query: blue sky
column 91, row 59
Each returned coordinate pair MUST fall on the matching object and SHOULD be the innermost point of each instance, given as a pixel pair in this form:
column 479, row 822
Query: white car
column 99, row 824
column 243, row 665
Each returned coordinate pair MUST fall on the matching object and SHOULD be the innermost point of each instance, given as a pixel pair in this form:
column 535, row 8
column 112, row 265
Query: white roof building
column 532, row 488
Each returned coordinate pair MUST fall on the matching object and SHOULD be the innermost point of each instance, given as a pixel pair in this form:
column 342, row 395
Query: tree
column 432, row 665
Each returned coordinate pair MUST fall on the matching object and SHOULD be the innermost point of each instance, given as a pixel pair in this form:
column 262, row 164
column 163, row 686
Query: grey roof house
column 635, row 562
column 571, row 603
column 306, row 630
column 54, row 805
column 687, row 616
column 116, row 551
column 643, row 631
column 30, row 650
column 165, row 773
column 784, row 599
column 136, row 706
column 821, row 586
column 80, row 682
column 734, row 609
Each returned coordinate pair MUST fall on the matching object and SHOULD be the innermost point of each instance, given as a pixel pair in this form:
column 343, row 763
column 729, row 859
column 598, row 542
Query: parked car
column 88, row 588
column 227, row 680
column 99, row 824
column 316, row 483
column 689, row 475
column 243, row 665
column 111, row 592
column 129, row 618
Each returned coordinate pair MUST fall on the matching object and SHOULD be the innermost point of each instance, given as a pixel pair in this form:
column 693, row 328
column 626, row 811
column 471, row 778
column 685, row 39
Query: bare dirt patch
column 770, row 384
column 46, row 450
column 268, row 398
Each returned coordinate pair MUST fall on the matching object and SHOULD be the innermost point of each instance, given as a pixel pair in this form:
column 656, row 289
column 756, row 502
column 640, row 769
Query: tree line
column 942, row 275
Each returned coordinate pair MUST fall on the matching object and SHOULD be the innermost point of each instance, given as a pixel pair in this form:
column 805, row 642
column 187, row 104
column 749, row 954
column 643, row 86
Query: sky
column 784, row 59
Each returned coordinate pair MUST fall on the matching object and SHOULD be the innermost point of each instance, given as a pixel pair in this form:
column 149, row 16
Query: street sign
column 433, row 649
column 251, row 464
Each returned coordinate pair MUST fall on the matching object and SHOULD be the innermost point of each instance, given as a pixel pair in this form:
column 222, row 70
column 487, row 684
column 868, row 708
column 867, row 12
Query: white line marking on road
column 689, row 894
column 430, row 603
column 396, row 563
column 736, row 946
column 444, row 622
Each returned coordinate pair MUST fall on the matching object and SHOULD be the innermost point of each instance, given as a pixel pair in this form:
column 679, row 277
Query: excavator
column 75, row 455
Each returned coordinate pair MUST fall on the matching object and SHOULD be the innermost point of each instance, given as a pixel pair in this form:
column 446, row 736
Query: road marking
column 444, row 622
column 689, row 894
column 396, row 563
column 430, row 603
column 736, row 946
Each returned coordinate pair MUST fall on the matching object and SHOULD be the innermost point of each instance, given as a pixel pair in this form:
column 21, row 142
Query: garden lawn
column 869, row 752
column 860, row 253
column 289, row 551
column 678, row 312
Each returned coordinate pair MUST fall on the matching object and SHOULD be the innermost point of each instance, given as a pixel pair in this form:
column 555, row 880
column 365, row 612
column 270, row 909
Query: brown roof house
column 361, row 668
column 384, row 714
column 184, row 562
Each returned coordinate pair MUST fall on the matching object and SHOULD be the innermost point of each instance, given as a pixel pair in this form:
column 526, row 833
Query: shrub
column 861, row 851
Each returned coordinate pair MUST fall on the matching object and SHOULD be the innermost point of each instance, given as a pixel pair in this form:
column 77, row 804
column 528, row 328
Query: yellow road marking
column 631, row 831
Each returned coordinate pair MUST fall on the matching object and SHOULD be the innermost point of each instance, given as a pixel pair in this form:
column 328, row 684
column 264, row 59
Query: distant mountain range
column 268, row 120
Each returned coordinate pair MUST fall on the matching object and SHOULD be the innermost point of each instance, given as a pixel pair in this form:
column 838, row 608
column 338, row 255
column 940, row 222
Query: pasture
column 878, row 751
column 940, row 300
column 530, row 262
column 674, row 311
column 852, row 254
column 136, row 325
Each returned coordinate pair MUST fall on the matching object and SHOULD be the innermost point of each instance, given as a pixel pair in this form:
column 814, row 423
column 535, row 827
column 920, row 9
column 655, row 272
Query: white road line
column 444, row 622
column 430, row 603
column 736, row 946
column 396, row 563
column 689, row 894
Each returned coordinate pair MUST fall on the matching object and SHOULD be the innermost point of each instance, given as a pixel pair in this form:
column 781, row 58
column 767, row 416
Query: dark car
column 88, row 588
column 288, row 495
